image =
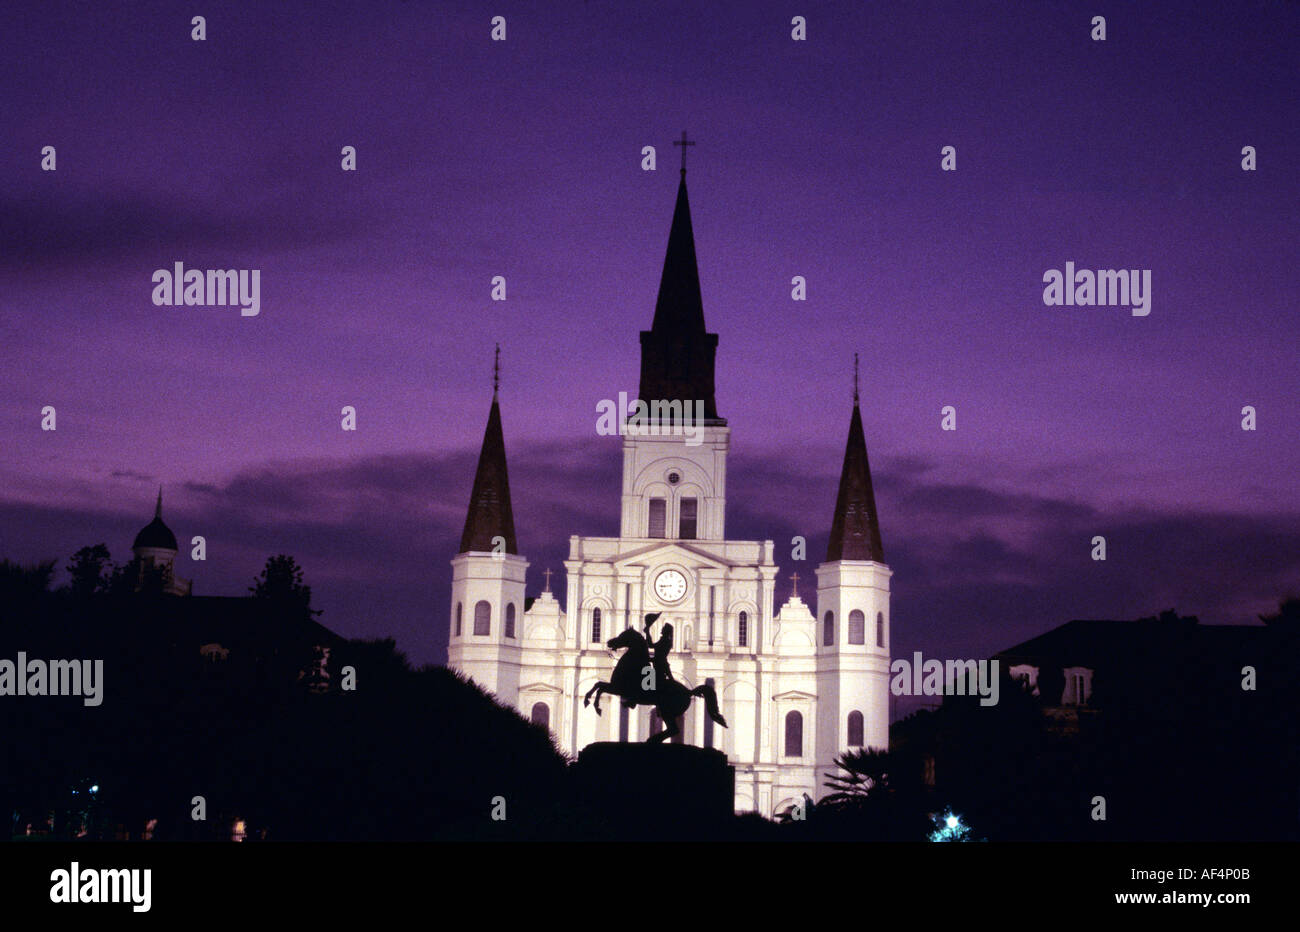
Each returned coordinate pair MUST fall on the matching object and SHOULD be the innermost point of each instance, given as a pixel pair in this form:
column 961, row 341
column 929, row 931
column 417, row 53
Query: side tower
column 487, row 583
column 853, row 615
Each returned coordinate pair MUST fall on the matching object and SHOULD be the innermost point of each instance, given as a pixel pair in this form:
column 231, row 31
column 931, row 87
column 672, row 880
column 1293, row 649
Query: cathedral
column 796, row 692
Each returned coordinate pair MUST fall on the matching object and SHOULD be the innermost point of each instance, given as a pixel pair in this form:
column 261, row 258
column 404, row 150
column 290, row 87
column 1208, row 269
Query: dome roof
column 156, row 533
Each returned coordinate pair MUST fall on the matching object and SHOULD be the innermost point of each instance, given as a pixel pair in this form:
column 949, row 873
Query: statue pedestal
column 646, row 791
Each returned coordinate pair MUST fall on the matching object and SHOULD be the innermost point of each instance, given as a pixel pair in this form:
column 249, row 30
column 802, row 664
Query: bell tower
column 853, row 614
column 675, row 454
column 487, row 587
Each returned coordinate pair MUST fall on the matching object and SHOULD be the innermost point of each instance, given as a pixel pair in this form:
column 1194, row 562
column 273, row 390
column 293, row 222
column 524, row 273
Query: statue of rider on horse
column 640, row 679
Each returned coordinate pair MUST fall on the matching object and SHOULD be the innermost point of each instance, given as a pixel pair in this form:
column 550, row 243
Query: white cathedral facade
column 798, row 686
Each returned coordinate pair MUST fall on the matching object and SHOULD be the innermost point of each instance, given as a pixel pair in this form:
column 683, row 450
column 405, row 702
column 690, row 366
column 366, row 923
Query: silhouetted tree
column 281, row 581
column 90, row 570
column 24, row 585
column 1288, row 615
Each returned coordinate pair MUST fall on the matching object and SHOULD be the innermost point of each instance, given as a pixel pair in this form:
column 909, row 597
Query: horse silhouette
column 668, row 696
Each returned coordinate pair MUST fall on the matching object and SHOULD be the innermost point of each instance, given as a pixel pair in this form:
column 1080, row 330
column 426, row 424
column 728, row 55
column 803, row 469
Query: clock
column 670, row 585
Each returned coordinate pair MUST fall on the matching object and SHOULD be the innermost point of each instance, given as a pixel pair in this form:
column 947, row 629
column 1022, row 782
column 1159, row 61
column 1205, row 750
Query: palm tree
column 863, row 774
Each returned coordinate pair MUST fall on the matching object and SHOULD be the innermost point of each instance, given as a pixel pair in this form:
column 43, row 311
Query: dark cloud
column 975, row 570
column 129, row 474
column 62, row 229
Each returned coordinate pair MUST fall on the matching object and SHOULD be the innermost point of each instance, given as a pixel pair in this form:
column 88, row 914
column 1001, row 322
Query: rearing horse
column 670, row 698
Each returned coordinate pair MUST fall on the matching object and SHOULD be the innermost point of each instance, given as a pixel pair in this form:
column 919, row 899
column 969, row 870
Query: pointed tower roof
column 677, row 354
column 680, row 306
column 490, row 514
column 855, row 530
column 156, row 533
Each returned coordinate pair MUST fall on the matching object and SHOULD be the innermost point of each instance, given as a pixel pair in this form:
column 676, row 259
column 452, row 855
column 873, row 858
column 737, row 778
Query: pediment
column 540, row 688
column 672, row 551
column 794, row 694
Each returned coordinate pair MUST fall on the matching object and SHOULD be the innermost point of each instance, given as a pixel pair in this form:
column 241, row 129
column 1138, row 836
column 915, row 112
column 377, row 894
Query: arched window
column 793, row 734
column 687, row 524
column 828, row 629
column 742, row 632
column 595, row 626
column 459, row 612
column 857, row 627
column 541, row 714
column 482, row 619
column 855, row 729
column 880, row 629
column 658, row 517
column 510, row 620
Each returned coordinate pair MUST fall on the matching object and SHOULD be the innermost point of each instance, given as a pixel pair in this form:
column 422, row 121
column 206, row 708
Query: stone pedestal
column 648, row 791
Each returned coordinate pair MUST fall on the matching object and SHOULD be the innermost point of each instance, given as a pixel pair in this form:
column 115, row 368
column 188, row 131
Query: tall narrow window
column 690, row 507
column 658, row 510
column 742, row 630
column 541, row 714
column 459, row 612
column 857, row 627
column 855, row 729
column 880, row 629
column 510, row 620
column 828, row 629
column 793, row 734
column 482, row 619
column 595, row 626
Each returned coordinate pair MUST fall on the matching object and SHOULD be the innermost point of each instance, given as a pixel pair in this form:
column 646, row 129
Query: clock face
column 670, row 585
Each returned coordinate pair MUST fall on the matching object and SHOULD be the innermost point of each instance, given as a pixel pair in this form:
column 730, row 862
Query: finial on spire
column 684, row 143
column 794, row 581
column 157, row 509
column 547, row 574
column 855, row 378
column 496, row 372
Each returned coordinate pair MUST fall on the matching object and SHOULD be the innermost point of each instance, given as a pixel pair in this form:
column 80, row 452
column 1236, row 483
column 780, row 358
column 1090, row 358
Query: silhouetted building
column 155, row 551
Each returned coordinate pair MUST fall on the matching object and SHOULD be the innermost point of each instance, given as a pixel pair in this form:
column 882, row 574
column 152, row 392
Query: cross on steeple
column 855, row 378
column 496, row 371
column 794, row 579
column 684, row 142
column 547, row 574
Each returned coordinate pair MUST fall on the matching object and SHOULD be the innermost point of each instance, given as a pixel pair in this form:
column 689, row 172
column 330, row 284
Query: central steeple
column 677, row 354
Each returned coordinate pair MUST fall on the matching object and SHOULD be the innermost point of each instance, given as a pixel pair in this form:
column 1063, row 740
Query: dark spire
column 156, row 533
column 490, row 514
column 677, row 353
column 855, row 532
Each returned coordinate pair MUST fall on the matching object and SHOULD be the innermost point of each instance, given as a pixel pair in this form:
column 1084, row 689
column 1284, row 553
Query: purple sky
column 817, row 158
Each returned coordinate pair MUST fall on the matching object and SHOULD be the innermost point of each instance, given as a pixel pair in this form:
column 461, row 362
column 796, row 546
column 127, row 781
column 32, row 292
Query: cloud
column 61, row 229
column 976, row 570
